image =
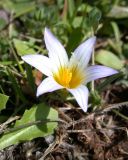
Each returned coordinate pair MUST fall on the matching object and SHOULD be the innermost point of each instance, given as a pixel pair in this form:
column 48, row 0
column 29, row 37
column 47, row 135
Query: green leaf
column 3, row 101
column 118, row 12
column 109, row 59
column 77, row 21
column 19, row 8
column 94, row 17
column 36, row 113
column 116, row 31
column 71, row 8
column 118, row 42
column 3, row 23
column 74, row 39
column 23, row 47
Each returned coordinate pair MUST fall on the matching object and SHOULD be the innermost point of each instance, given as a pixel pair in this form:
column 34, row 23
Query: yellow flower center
column 69, row 77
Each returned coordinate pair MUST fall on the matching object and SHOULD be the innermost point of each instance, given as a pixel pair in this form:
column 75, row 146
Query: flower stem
column 93, row 63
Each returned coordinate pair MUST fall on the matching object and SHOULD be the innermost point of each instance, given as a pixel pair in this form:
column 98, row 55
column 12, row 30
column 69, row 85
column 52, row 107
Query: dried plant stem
column 121, row 115
column 113, row 106
column 94, row 130
column 4, row 125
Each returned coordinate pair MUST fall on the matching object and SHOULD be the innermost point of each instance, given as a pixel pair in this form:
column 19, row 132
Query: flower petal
column 81, row 96
column 97, row 71
column 82, row 53
column 56, row 51
column 40, row 62
column 48, row 85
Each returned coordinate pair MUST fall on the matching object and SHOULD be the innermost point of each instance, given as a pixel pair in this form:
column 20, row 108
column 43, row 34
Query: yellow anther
column 68, row 77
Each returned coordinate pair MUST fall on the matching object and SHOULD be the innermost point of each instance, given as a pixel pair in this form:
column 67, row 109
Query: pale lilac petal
column 81, row 96
column 83, row 52
column 48, row 85
column 40, row 62
column 56, row 51
column 97, row 71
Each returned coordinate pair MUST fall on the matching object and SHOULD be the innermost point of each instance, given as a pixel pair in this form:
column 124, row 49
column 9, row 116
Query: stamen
column 69, row 77
column 63, row 76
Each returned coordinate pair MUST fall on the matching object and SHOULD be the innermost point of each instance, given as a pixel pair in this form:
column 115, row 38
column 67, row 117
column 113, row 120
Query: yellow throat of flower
column 68, row 77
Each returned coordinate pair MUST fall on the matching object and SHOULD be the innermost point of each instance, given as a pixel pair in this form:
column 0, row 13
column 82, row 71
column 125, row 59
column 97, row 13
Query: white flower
column 71, row 74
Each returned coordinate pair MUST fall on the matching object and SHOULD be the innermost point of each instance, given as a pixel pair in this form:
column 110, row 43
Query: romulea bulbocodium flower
column 72, row 74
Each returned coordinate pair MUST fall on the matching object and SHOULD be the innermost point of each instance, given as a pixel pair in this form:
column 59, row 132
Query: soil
column 97, row 135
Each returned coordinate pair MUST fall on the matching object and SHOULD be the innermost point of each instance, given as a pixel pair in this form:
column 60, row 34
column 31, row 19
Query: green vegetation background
column 22, row 23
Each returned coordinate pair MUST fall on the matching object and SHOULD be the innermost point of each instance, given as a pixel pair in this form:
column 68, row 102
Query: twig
column 113, row 106
column 10, row 120
column 90, row 116
column 50, row 149
column 121, row 115
column 95, row 130
column 102, row 111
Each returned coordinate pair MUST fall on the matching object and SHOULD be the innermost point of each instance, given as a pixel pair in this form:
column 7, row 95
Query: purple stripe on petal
column 97, row 71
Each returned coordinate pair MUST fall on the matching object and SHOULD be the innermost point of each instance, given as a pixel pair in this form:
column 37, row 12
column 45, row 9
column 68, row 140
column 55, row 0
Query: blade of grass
column 30, row 77
column 16, row 58
column 15, row 85
column 71, row 8
column 102, row 86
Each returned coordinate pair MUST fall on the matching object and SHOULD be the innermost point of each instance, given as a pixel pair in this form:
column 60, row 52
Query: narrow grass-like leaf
column 108, row 81
column 30, row 76
column 71, row 8
column 16, row 57
column 94, row 18
column 16, row 87
column 118, row 42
